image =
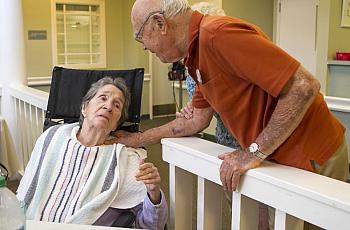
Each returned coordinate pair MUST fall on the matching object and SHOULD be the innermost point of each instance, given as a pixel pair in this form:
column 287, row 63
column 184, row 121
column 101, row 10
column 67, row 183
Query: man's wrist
column 254, row 149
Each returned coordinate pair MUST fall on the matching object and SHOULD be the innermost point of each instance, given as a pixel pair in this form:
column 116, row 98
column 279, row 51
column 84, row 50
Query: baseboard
column 145, row 117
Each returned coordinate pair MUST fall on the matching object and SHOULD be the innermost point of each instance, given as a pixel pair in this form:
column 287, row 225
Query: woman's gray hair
column 118, row 83
column 208, row 8
column 174, row 7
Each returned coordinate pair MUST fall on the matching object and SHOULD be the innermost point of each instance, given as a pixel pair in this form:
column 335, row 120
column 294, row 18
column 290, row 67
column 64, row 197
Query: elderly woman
column 72, row 177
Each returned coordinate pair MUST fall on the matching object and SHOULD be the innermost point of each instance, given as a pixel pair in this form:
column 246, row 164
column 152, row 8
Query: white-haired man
column 269, row 102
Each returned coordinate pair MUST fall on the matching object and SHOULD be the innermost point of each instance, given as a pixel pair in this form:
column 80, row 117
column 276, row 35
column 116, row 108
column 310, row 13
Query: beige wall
column 339, row 37
column 133, row 54
column 122, row 51
column 36, row 16
column 39, row 52
column 257, row 12
column 114, row 34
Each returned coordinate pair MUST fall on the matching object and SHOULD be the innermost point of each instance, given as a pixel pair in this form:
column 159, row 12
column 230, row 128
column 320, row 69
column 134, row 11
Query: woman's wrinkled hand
column 186, row 112
column 149, row 175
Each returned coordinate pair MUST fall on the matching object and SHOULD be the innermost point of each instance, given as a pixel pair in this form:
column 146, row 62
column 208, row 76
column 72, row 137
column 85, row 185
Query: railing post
column 209, row 208
column 181, row 190
column 12, row 58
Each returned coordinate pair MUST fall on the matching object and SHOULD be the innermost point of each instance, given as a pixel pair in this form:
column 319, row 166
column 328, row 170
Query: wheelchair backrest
column 68, row 87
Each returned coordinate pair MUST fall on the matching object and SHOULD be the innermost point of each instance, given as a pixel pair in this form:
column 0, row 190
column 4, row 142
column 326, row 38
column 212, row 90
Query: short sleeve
column 252, row 56
column 198, row 101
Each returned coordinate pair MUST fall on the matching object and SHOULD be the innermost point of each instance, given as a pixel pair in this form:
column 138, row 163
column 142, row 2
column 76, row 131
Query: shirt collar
column 195, row 22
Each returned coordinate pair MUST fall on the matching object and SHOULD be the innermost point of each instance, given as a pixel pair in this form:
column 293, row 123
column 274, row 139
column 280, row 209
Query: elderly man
column 269, row 102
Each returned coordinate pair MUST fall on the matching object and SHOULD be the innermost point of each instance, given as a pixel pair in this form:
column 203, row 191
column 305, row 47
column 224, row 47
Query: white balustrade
column 323, row 201
column 30, row 106
column 293, row 192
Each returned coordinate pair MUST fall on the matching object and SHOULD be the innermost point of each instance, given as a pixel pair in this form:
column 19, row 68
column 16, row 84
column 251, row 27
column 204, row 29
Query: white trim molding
column 39, row 81
column 46, row 81
column 340, row 104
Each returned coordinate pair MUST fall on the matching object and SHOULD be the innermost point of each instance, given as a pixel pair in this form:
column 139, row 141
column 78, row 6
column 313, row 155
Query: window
column 78, row 32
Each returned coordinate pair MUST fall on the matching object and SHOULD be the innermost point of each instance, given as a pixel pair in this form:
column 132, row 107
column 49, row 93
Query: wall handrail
column 340, row 104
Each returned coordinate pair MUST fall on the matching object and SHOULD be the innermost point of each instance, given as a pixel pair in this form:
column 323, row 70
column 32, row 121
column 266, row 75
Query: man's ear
column 161, row 23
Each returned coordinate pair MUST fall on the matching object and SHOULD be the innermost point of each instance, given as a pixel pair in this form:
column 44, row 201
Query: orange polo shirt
column 240, row 73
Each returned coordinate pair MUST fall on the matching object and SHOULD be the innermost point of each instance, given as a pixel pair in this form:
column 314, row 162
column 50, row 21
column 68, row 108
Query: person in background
column 72, row 177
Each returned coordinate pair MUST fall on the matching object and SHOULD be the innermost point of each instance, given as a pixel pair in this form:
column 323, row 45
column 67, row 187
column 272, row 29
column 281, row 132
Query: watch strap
column 262, row 156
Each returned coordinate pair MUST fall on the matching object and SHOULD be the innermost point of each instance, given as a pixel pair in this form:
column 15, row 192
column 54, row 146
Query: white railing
column 314, row 198
column 293, row 192
column 317, row 199
column 30, row 105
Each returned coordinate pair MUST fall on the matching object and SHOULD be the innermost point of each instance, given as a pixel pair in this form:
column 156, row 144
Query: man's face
column 153, row 36
column 104, row 110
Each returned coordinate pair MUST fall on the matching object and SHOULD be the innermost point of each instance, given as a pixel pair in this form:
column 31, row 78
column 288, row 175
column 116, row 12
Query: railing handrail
column 29, row 95
column 314, row 188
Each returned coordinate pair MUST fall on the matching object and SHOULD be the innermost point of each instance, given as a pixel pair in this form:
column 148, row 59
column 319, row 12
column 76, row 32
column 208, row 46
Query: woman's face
column 104, row 110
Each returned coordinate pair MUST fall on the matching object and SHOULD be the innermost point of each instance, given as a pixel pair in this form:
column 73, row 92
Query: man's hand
column 234, row 165
column 186, row 112
column 177, row 128
column 149, row 175
column 126, row 138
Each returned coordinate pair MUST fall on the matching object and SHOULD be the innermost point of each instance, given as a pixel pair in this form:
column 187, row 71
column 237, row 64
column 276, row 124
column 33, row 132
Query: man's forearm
column 178, row 128
column 289, row 111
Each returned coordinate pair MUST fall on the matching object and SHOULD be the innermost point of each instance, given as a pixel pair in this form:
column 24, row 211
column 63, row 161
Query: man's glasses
column 138, row 36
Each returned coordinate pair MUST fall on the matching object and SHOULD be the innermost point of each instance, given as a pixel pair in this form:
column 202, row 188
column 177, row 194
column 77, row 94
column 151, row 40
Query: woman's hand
column 149, row 175
column 186, row 112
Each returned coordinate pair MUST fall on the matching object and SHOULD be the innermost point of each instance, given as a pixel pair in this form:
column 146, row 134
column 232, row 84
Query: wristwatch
column 255, row 150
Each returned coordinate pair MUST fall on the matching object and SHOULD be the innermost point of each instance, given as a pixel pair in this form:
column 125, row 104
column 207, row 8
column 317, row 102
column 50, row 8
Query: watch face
column 253, row 147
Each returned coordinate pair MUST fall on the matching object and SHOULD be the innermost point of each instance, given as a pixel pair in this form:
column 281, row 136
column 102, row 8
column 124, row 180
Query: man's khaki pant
column 336, row 167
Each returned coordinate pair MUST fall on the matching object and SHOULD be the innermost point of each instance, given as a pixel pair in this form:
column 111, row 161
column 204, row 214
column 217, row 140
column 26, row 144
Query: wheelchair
column 68, row 87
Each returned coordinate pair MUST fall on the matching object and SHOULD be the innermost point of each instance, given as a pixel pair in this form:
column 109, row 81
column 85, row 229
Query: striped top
column 66, row 181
